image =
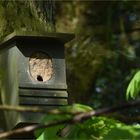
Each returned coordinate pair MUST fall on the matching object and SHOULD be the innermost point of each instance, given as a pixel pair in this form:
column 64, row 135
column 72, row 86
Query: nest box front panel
column 42, row 65
column 34, row 72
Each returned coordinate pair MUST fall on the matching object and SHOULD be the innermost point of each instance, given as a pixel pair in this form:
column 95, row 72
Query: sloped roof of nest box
column 23, row 35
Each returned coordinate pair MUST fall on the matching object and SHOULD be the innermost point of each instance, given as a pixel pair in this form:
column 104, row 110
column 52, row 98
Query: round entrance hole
column 40, row 67
column 39, row 78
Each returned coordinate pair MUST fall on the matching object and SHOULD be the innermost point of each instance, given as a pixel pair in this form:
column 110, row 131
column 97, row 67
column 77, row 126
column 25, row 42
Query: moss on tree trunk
column 26, row 15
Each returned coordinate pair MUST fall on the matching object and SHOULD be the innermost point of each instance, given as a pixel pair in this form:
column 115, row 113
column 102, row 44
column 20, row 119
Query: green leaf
column 133, row 88
column 124, row 132
column 51, row 132
column 75, row 108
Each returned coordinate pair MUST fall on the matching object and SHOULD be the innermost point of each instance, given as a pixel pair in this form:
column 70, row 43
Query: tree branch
column 78, row 117
column 124, row 119
column 29, row 109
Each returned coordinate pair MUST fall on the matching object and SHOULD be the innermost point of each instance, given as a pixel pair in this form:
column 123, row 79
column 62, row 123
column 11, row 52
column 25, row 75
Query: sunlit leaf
column 76, row 108
column 134, row 86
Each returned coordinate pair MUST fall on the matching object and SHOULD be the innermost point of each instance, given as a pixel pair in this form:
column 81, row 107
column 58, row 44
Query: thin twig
column 75, row 119
column 30, row 109
column 21, row 108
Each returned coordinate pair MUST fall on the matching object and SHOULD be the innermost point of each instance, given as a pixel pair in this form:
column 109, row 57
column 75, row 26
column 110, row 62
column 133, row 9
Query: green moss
column 20, row 15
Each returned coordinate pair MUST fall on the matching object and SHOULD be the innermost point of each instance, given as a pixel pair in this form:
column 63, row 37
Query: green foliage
column 93, row 128
column 124, row 132
column 53, row 132
column 134, row 86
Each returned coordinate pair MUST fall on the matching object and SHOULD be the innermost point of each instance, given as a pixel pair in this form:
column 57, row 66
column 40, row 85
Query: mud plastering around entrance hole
column 40, row 67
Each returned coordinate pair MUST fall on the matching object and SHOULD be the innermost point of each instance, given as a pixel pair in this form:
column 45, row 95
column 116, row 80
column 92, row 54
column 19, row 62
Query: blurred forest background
column 104, row 55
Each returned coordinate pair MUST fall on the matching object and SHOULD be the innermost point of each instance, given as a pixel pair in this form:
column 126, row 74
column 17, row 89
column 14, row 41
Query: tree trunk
column 26, row 15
